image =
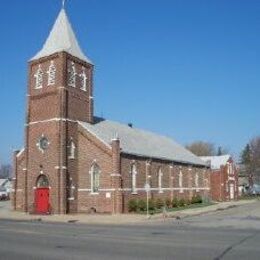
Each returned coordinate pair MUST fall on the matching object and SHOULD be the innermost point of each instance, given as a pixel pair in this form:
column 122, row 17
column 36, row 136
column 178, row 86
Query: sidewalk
column 123, row 219
column 204, row 210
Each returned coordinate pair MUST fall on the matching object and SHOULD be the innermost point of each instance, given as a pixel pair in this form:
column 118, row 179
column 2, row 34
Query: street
column 227, row 234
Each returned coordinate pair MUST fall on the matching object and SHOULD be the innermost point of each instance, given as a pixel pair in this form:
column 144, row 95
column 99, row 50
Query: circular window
column 43, row 143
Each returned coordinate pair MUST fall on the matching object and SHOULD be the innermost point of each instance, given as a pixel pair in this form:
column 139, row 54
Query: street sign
column 147, row 187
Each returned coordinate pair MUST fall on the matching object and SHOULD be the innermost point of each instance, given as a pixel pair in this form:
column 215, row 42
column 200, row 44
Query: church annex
column 74, row 162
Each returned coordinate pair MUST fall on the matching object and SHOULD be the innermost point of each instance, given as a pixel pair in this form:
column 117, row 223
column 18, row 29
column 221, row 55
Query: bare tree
column 5, row 171
column 250, row 158
column 201, row 148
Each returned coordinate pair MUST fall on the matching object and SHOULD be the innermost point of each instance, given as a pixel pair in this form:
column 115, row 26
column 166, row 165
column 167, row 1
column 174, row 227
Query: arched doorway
column 42, row 204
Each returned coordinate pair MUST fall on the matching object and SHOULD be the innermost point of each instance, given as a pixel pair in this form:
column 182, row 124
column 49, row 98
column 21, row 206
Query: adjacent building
column 223, row 177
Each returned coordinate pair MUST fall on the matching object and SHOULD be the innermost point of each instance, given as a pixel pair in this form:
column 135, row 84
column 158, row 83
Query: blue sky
column 185, row 69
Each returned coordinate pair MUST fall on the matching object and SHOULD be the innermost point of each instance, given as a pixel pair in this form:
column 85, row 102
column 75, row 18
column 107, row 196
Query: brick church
column 74, row 162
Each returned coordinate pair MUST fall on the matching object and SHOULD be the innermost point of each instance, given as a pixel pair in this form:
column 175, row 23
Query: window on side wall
column 95, row 176
column 72, row 150
column 160, row 175
column 133, row 173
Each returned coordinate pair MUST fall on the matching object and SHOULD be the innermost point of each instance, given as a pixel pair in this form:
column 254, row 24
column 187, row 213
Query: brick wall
column 222, row 181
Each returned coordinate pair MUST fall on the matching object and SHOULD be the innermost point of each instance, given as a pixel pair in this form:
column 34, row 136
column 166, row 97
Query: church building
column 74, row 162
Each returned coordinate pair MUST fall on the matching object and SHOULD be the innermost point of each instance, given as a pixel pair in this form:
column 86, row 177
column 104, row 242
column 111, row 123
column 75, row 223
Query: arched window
column 197, row 180
column 83, row 80
column 160, row 175
column 42, row 182
column 180, row 179
column 51, row 74
column 71, row 190
column 72, row 149
column 72, row 75
column 133, row 178
column 95, row 175
column 38, row 78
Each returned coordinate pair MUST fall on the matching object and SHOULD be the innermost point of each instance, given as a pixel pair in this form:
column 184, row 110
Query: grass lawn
column 191, row 206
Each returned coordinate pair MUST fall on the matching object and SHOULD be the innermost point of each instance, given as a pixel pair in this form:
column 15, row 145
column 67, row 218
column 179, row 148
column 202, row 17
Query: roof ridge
column 141, row 142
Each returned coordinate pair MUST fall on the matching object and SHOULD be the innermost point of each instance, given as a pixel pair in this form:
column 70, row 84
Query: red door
column 42, row 200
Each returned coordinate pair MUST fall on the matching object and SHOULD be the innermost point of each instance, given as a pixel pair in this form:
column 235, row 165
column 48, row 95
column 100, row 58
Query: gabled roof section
column 141, row 143
column 62, row 38
column 215, row 162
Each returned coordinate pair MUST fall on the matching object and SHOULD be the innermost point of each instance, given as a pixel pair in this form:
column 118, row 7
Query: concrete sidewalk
column 124, row 219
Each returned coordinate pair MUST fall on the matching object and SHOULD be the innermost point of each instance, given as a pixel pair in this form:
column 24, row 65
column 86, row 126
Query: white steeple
column 62, row 38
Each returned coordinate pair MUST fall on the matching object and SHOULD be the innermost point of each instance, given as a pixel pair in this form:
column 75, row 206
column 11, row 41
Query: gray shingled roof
column 62, row 38
column 142, row 143
column 216, row 162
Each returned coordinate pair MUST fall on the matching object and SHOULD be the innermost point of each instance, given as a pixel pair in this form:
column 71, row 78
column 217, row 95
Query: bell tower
column 61, row 77
column 60, row 93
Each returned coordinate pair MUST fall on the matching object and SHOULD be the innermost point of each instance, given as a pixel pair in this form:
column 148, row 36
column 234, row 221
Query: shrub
column 175, row 202
column 151, row 204
column 187, row 202
column 168, row 203
column 141, row 205
column 181, row 203
column 132, row 205
column 159, row 203
column 196, row 199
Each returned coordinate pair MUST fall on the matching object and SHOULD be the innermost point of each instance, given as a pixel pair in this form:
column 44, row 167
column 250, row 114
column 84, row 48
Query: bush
column 181, row 203
column 151, row 204
column 196, row 199
column 187, row 202
column 175, row 203
column 141, row 205
column 168, row 203
column 132, row 205
column 159, row 203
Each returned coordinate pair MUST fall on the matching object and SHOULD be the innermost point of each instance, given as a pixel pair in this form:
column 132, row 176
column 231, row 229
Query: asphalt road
column 229, row 234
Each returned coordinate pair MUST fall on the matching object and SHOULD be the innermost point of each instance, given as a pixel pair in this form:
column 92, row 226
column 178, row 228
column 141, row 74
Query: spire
column 62, row 38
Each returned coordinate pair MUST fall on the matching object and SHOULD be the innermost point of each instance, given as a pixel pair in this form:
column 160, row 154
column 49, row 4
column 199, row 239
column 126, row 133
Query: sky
column 181, row 68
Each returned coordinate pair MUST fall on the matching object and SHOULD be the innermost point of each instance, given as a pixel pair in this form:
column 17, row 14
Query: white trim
column 20, row 152
column 71, row 199
column 84, row 189
column 151, row 189
column 60, row 168
column 107, row 189
column 94, row 193
column 115, row 175
column 55, row 119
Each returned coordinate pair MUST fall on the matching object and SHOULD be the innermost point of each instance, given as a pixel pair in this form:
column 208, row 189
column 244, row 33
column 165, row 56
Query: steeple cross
column 63, row 3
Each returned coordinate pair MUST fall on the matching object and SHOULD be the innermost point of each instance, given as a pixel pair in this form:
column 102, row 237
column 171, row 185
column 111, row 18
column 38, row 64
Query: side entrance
column 42, row 196
column 232, row 191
